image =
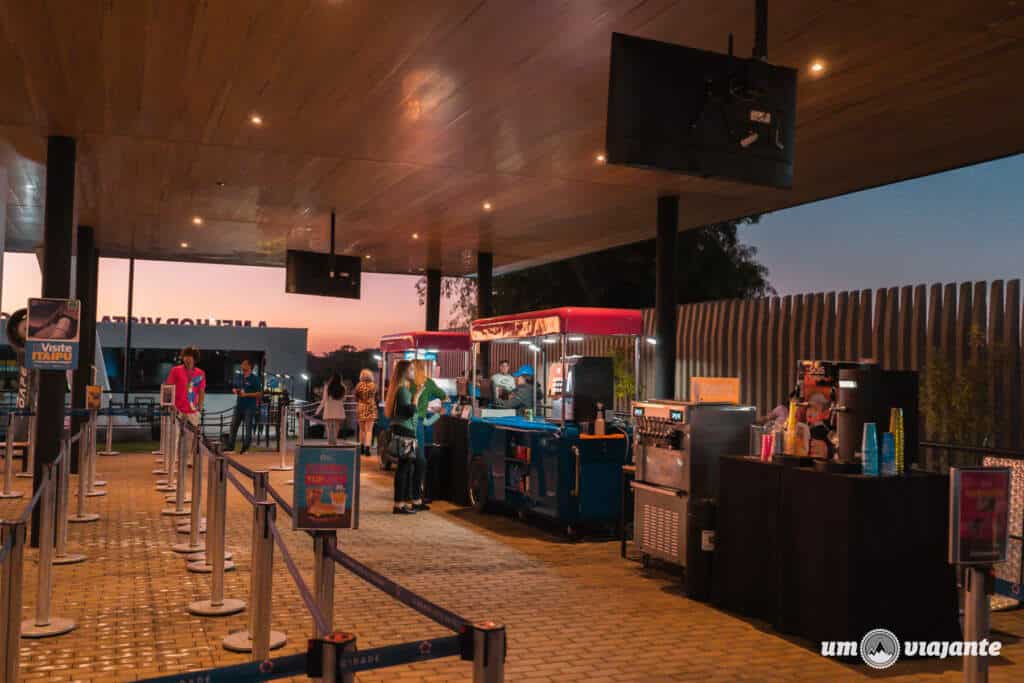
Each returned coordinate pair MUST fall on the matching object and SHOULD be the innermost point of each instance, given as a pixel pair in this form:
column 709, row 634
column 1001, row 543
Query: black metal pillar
column 58, row 238
column 433, row 299
column 484, row 303
column 665, row 298
column 86, row 270
column 126, row 377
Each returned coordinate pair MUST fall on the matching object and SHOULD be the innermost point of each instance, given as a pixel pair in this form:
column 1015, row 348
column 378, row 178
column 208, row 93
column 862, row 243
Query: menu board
column 979, row 514
column 326, row 488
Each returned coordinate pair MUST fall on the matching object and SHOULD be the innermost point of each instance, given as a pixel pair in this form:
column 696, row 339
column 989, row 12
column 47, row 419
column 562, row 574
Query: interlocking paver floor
column 574, row 612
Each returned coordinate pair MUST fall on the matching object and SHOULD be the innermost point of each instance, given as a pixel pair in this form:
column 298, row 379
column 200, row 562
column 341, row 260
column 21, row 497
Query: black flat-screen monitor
column 701, row 113
column 308, row 272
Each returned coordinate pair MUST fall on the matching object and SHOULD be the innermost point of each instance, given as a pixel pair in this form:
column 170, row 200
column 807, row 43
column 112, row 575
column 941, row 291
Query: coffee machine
column 590, row 382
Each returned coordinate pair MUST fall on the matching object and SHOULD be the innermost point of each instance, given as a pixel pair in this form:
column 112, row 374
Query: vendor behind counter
column 524, row 397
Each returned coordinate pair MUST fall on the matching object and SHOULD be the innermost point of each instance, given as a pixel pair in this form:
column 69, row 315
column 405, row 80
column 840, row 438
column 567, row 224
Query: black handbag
column 402, row 448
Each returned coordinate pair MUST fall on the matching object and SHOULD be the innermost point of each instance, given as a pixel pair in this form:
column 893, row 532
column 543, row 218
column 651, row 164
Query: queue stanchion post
column 175, row 431
column 12, row 534
column 323, row 576
column 334, row 646
column 88, row 446
column 161, row 468
column 217, row 605
column 282, row 430
column 195, row 521
column 9, row 491
column 488, row 653
column 94, row 452
column 81, row 516
column 31, row 448
column 199, row 563
column 180, row 450
column 259, row 638
column 61, row 554
column 109, row 435
column 44, row 624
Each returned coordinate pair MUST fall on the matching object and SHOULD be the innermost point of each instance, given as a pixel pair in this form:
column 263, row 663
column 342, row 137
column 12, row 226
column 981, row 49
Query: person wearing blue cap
column 523, row 396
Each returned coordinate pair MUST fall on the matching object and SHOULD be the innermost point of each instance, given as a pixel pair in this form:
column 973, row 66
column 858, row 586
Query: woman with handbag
column 400, row 408
column 332, row 408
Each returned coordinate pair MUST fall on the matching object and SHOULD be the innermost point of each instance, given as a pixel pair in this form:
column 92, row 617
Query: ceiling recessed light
column 601, row 158
column 256, row 120
column 415, row 235
column 817, row 67
column 487, row 206
column 368, row 256
column 220, row 183
column 184, row 245
column 197, row 220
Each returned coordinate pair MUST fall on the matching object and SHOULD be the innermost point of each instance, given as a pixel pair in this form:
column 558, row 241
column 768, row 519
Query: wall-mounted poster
column 979, row 512
column 326, row 488
column 53, row 327
column 167, row 394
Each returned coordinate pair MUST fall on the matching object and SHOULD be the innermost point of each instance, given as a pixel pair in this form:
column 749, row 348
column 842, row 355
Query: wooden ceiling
column 406, row 116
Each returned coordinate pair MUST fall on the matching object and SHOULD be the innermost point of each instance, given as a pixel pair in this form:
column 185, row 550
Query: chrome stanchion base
column 241, row 641
column 290, row 482
column 23, row 475
column 70, row 558
column 99, row 482
column 186, row 527
column 161, row 472
column 95, row 494
column 206, row 608
column 187, row 549
column 174, row 512
column 12, row 494
column 56, row 627
column 166, row 488
column 158, row 452
column 282, row 468
column 109, row 453
column 203, row 568
column 201, row 556
column 87, row 517
column 174, row 499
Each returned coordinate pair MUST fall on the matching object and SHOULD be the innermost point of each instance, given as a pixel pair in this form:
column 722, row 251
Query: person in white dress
column 332, row 408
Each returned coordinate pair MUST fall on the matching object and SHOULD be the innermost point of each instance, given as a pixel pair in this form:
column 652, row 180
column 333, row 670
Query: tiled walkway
column 574, row 612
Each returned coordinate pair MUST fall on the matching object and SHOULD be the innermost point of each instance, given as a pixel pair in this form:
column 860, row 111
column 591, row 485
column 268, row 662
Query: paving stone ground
column 574, row 612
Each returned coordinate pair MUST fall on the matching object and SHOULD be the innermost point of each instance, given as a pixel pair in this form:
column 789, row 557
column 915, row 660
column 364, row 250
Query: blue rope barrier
column 241, row 489
column 304, row 592
column 267, row 670
column 405, row 596
column 396, row 655
column 27, row 512
column 280, row 501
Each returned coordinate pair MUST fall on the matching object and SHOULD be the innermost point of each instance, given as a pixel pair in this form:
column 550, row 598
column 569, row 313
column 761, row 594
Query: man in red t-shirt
column 189, row 385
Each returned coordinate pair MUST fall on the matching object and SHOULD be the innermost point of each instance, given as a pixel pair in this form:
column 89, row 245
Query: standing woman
column 401, row 410
column 332, row 408
column 366, row 409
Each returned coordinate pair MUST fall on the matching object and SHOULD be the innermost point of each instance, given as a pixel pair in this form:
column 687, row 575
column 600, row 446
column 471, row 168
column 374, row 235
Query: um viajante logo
column 880, row 648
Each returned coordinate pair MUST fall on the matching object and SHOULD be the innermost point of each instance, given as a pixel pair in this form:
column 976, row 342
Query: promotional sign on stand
column 979, row 515
column 326, row 488
column 167, row 394
column 93, row 397
column 53, row 334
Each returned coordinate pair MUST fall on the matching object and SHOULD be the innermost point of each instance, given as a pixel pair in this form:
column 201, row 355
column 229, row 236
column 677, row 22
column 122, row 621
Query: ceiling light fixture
column 487, row 206
column 197, row 220
column 220, row 183
column 184, row 245
column 368, row 256
column 415, row 235
column 601, row 158
column 256, row 120
column 817, row 67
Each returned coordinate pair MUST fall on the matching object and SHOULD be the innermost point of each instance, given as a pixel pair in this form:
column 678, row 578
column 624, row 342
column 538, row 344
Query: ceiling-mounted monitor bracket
column 760, row 30
column 330, row 258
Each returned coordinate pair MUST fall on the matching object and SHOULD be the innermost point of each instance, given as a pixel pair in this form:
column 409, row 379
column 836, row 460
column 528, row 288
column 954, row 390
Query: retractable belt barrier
column 331, row 656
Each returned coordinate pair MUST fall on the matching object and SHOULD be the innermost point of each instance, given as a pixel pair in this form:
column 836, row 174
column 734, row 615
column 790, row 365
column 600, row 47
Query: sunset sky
column 962, row 225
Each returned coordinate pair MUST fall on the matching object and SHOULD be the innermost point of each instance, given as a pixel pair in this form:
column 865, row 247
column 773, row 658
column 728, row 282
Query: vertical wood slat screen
column 900, row 327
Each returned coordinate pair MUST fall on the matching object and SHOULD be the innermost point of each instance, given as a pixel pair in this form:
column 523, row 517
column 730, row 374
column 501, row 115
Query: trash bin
column 700, row 547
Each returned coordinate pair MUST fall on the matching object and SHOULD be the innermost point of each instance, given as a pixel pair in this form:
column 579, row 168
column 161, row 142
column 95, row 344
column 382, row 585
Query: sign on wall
column 326, row 488
column 979, row 512
column 52, row 335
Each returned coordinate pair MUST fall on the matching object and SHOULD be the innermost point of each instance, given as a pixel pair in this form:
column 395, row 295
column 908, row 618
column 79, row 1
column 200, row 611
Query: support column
column 433, row 300
column 86, row 269
column 126, row 377
column 665, row 298
column 58, row 237
column 484, row 303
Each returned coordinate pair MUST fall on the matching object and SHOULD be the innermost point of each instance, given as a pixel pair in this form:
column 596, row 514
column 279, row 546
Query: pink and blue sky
column 957, row 226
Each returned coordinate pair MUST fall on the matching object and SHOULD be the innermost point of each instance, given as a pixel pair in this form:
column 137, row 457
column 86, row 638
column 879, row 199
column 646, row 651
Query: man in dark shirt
column 524, row 397
column 247, row 389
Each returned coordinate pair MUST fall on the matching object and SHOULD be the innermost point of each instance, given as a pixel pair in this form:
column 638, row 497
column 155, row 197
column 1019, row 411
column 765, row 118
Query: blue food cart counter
column 536, row 467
